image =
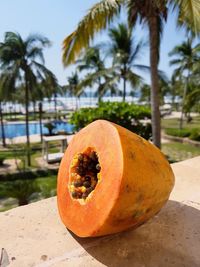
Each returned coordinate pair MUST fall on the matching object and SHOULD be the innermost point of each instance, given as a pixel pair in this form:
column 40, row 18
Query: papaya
column 111, row 179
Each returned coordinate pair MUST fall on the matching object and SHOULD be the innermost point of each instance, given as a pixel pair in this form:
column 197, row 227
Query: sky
column 56, row 19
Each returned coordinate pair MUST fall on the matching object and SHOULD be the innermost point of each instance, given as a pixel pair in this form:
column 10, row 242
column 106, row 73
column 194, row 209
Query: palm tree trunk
column 90, row 97
column 27, row 121
column 55, row 104
column 34, row 109
column 124, row 89
column 173, row 99
column 99, row 91
column 183, row 101
column 124, row 84
column 40, row 120
column 2, row 127
column 76, row 102
column 155, row 111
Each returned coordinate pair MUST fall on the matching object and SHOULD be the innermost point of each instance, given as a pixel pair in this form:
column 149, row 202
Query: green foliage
column 102, row 14
column 27, row 175
column 122, row 113
column 22, row 190
column 47, row 186
column 176, row 151
column 178, row 132
column 195, row 134
column 174, row 123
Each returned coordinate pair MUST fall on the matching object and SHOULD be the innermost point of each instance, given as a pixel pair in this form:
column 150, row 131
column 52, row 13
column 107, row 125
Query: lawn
column 174, row 123
column 18, row 151
column 177, row 151
column 46, row 185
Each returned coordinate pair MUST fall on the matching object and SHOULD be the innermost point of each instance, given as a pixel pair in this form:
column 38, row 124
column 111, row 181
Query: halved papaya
column 111, row 179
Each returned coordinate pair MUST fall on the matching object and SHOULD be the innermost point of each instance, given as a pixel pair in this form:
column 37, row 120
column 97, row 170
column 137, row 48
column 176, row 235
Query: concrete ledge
column 34, row 236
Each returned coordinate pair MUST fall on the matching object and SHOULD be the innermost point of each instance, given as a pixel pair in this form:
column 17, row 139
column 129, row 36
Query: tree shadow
column 171, row 238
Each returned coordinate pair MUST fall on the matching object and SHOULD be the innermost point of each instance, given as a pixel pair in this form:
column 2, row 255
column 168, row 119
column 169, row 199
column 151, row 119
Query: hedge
column 122, row 113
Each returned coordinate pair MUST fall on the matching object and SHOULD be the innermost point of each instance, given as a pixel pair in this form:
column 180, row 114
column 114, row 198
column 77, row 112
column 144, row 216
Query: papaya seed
column 84, row 174
column 88, row 178
column 87, row 184
column 78, row 183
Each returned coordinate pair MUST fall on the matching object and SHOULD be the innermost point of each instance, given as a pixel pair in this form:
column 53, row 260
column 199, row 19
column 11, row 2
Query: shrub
column 27, row 175
column 195, row 135
column 178, row 132
column 122, row 113
column 22, row 190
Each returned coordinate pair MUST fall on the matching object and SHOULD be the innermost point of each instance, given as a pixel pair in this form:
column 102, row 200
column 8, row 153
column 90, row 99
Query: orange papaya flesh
column 129, row 180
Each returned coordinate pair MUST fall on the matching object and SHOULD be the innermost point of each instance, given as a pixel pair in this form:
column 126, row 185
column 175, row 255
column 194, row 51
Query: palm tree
column 5, row 95
column 165, row 89
column 151, row 13
column 101, row 76
column 192, row 100
column 145, row 95
column 125, row 51
column 22, row 62
column 73, row 86
column 2, row 126
column 187, row 55
column 91, row 61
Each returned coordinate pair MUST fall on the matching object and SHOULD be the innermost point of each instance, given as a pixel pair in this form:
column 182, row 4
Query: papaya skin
column 135, row 181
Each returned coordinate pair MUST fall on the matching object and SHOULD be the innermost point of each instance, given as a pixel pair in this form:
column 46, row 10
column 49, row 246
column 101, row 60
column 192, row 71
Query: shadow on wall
column 171, row 238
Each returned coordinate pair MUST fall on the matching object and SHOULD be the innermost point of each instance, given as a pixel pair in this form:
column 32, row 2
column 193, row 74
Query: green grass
column 46, row 184
column 177, row 151
column 190, row 130
column 174, row 123
column 18, row 152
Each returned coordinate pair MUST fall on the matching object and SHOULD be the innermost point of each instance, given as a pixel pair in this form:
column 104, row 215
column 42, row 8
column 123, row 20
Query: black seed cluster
column 85, row 176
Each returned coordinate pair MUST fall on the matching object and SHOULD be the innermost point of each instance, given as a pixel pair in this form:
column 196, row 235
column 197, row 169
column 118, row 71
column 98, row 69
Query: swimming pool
column 19, row 129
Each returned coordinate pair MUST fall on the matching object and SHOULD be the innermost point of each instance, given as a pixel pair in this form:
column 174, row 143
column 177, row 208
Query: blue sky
column 57, row 18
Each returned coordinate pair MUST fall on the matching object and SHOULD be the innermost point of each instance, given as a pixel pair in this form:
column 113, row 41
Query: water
column 19, row 129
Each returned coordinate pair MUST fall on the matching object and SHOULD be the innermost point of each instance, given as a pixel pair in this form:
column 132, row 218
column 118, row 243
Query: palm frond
column 134, row 79
column 98, row 18
column 142, row 67
column 136, row 53
column 91, row 59
column 8, row 82
column 175, row 62
column 36, row 52
column 188, row 13
column 37, row 40
column 45, row 71
column 178, row 73
column 163, row 77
